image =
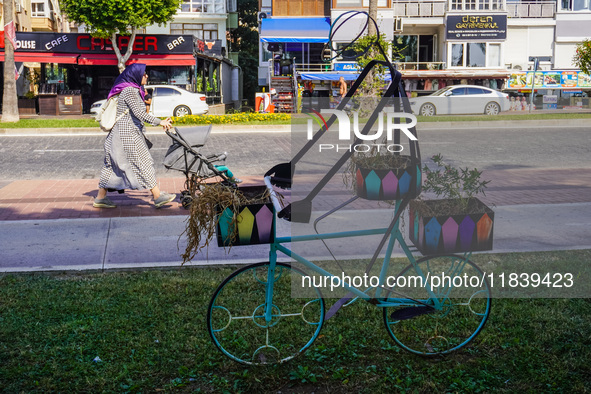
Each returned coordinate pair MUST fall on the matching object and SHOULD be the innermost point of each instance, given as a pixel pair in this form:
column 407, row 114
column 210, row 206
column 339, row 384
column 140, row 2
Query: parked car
column 461, row 99
column 169, row 100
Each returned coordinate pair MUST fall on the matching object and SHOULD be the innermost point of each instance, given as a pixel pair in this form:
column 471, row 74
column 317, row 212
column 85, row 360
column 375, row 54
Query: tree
column 245, row 40
column 9, row 99
column 107, row 18
column 582, row 57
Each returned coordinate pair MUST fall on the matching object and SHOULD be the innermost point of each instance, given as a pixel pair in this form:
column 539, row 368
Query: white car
column 461, row 99
column 169, row 100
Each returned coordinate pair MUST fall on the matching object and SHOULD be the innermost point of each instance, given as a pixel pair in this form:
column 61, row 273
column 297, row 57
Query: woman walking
column 128, row 162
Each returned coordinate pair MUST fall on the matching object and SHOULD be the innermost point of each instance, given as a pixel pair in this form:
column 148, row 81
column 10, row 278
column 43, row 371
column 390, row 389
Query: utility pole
column 533, row 83
column 9, row 99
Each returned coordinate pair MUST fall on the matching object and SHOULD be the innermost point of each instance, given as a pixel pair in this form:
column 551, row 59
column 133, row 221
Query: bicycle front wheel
column 454, row 303
column 239, row 326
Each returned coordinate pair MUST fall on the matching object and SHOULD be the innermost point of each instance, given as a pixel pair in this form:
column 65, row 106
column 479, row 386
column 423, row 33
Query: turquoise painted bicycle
column 254, row 318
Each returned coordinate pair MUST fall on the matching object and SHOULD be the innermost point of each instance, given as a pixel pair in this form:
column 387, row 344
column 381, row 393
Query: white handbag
column 107, row 116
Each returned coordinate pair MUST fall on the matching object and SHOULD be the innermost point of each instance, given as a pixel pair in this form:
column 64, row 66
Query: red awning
column 49, row 57
column 101, row 59
column 150, row 60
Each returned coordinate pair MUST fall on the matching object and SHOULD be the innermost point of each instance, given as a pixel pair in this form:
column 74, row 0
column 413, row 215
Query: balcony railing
column 531, row 9
column 414, row 9
column 421, row 66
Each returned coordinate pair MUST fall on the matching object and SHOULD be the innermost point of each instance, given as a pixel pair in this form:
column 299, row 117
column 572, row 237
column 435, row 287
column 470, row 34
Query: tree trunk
column 9, row 99
column 122, row 59
column 373, row 14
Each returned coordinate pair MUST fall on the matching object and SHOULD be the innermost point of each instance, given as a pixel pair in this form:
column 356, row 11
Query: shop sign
column 213, row 47
column 550, row 99
column 549, row 80
column 85, row 43
column 476, row 27
column 351, row 66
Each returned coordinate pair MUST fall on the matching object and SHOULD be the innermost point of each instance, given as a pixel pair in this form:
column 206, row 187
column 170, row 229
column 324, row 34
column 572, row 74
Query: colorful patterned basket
column 255, row 223
column 451, row 234
column 389, row 184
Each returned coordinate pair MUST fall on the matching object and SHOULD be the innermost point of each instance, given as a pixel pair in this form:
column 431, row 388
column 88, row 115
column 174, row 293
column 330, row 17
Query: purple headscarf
column 131, row 76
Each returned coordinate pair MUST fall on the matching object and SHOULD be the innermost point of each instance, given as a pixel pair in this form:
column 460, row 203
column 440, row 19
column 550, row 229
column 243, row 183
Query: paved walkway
column 72, row 198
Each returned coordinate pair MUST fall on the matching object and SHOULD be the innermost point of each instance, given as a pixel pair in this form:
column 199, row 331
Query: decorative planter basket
column 451, row 233
column 255, row 223
column 389, row 184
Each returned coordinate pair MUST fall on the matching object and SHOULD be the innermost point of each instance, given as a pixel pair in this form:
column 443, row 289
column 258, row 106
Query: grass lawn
column 148, row 330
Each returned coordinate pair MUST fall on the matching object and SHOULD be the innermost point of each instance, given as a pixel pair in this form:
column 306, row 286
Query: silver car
column 461, row 99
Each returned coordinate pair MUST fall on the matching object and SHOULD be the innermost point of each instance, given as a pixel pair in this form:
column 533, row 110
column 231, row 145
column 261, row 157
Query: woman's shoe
column 164, row 198
column 103, row 203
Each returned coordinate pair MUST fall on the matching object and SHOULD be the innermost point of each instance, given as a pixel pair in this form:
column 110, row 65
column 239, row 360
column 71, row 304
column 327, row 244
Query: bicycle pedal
column 410, row 312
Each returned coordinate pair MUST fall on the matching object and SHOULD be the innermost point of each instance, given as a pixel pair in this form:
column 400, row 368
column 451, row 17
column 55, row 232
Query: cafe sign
column 476, row 27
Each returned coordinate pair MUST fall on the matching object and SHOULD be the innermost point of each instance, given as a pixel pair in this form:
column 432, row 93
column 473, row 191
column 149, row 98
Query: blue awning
column 295, row 29
column 333, row 76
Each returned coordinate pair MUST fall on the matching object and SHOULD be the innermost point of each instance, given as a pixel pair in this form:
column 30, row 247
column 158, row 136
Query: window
column 359, row 3
column 494, row 55
column 203, row 31
column 38, row 9
column 470, row 5
column 208, row 6
column 419, row 49
column 458, row 92
column 576, row 5
column 477, row 91
column 475, row 54
column 457, row 55
column 160, row 92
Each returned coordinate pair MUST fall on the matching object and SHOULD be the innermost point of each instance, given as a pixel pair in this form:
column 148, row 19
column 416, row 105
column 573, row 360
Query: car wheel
column 427, row 109
column 492, row 108
column 181, row 110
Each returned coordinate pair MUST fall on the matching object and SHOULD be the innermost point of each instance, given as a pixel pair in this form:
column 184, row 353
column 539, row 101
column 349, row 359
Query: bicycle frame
column 394, row 235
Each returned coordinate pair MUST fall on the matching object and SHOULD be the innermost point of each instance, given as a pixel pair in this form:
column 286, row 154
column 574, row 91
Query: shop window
column 203, row 31
column 419, row 49
column 475, row 54
column 494, row 55
column 457, row 55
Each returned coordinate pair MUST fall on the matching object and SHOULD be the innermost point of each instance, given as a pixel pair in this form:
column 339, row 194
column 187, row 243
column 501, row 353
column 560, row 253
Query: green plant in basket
column 457, row 185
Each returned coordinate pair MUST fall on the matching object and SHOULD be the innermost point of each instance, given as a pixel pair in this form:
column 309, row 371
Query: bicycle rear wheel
column 236, row 315
column 463, row 312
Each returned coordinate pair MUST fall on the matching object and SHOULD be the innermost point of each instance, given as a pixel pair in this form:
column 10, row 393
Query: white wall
column 525, row 41
column 563, row 55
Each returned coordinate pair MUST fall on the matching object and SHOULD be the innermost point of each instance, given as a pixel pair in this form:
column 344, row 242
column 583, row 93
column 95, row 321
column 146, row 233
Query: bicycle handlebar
column 274, row 198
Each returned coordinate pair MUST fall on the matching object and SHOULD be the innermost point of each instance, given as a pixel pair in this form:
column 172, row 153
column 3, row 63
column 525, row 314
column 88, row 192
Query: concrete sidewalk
column 142, row 242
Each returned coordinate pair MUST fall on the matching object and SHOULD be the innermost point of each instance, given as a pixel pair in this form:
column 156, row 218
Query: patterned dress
column 128, row 162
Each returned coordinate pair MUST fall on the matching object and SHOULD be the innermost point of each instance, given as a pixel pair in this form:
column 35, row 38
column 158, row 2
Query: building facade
column 435, row 43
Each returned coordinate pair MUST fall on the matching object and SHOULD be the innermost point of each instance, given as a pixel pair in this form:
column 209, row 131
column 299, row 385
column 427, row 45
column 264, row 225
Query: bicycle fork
column 270, row 283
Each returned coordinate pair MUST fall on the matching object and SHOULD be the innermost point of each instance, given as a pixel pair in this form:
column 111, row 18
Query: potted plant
column 237, row 215
column 459, row 222
column 385, row 176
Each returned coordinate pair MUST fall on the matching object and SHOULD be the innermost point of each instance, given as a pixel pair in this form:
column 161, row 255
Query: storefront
column 552, row 89
column 85, row 66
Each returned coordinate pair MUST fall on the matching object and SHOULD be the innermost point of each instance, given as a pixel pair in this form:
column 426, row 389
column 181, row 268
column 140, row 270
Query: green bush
column 238, row 118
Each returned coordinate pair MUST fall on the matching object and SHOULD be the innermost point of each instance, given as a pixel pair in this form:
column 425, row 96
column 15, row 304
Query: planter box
column 451, row 234
column 393, row 184
column 255, row 224
column 27, row 106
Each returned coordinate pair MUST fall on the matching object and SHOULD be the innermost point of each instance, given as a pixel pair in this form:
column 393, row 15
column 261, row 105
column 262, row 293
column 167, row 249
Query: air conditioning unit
column 263, row 15
column 398, row 25
column 520, row 67
column 18, row 8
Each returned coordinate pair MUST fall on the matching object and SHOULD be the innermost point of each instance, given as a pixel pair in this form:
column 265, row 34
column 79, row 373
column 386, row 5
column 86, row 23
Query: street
column 251, row 153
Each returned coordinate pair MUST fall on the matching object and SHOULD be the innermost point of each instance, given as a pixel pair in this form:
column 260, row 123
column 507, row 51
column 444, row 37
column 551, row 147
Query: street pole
column 533, row 83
